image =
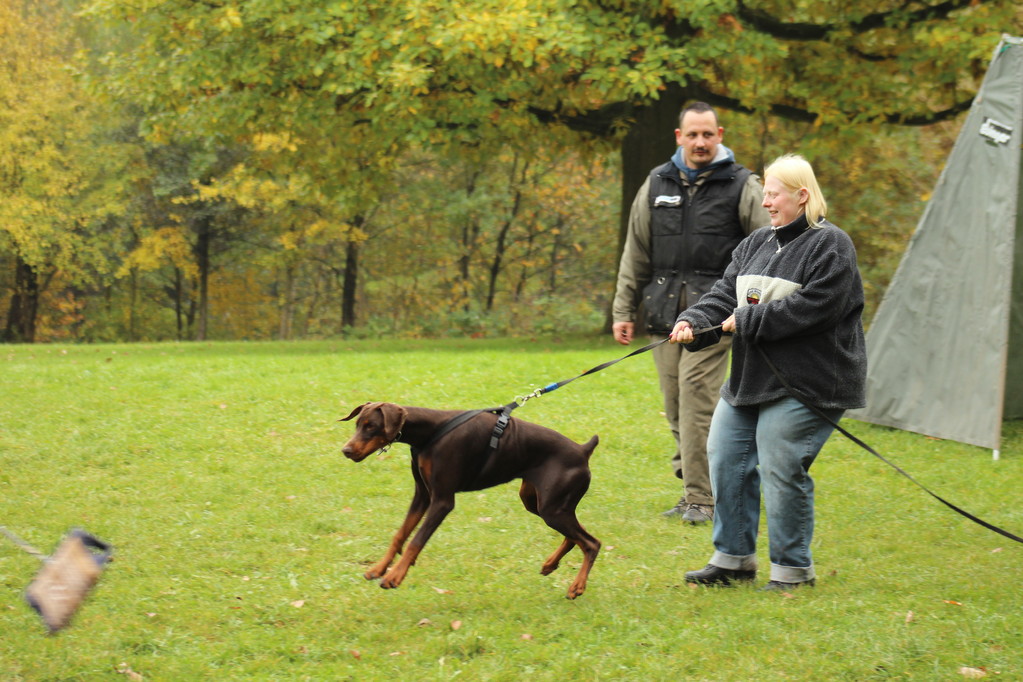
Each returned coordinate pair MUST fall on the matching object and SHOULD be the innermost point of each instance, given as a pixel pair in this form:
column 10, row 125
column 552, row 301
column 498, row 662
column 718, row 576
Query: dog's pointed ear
column 354, row 413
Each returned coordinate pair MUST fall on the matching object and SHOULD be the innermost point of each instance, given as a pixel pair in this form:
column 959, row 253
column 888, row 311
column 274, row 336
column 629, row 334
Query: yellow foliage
column 274, row 142
column 54, row 177
column 290, row 240
column 156, row 249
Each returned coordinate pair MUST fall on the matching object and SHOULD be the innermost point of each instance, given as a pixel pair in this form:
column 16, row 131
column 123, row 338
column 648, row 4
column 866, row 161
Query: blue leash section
column 553, row 387
column 505, row 413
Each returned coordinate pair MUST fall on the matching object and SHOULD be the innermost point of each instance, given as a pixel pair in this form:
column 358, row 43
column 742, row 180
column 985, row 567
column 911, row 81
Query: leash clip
column 535, row 394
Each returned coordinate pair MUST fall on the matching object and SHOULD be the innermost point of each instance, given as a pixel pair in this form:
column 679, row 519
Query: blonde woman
column 793, row 293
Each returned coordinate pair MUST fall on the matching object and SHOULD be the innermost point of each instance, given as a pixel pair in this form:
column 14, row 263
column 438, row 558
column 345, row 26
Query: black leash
column 593, row 370
column 504, row 416
column 813, row 408
column 505, row 412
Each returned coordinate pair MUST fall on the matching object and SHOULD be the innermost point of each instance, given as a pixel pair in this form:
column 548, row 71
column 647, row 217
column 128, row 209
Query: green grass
column 241, row 532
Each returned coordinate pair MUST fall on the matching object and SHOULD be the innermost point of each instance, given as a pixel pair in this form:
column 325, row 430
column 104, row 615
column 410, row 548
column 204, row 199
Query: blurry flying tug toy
column 66, row 577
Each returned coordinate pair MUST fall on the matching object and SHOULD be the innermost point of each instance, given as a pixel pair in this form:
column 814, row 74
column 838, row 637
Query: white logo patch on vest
column 668, row 200
column 754, row 289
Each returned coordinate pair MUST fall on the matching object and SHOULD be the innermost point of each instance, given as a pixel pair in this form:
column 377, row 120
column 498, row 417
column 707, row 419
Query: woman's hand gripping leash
column 684, row 333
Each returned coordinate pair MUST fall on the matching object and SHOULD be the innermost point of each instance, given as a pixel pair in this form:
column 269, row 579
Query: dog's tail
column 590, row 445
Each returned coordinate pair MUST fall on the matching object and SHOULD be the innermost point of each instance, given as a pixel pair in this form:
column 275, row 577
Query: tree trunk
column 204, row 236
column 496, row 263
column 351, row 278
column 21, row 317
column 179, row 311
column 133, row 304
column 649, row 143
column 552, row 281
column 286, row 304
column 470, row 235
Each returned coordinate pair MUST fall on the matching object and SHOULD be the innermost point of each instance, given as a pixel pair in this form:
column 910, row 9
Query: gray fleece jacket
column 796, row 292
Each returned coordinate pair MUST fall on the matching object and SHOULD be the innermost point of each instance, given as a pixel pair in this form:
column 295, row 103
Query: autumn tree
column 355, row 85
column 58, row 227
column 436, row 70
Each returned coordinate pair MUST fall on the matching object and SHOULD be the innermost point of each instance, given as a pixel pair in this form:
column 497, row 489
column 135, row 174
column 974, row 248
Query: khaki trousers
column 691, row 385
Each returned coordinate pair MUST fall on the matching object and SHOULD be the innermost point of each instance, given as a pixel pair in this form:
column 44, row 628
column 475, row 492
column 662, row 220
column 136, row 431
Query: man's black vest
column 692, row 235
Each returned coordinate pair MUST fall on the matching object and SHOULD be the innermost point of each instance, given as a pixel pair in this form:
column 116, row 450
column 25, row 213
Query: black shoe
column 779, row 586
column 678, row 510
column 715, row 575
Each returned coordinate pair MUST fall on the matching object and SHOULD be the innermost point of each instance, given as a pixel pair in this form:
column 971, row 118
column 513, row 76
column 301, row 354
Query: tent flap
column 947, row 337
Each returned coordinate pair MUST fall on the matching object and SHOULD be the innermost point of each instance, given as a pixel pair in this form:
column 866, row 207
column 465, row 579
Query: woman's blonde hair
column 795, row 173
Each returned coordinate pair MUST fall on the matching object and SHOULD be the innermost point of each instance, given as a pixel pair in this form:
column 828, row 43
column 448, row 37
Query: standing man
column 684, row 222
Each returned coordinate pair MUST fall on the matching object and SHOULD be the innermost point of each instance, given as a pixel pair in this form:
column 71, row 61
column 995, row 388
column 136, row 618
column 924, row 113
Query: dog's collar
column 388, row 446
column 396, row 438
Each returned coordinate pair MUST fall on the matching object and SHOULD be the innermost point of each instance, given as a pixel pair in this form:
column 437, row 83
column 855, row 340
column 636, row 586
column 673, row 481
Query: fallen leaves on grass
column 456, row 624
column 441, row 590
column 972, row 673
column 125, row 669
column 952, row 602
column 298, row 603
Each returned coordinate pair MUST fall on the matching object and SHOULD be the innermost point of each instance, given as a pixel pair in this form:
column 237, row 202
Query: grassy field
column 241, row 532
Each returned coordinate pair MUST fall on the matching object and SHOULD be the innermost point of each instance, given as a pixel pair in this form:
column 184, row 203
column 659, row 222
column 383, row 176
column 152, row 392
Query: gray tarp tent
column 945, row 349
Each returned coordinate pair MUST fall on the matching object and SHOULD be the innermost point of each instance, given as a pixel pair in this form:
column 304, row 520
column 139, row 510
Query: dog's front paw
column 576, row 589
column 390, row 582
column 378, row 569
column 394, row 577
column 549, row 567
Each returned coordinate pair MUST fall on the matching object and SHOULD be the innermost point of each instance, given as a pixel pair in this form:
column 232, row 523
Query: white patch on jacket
column 754, row 289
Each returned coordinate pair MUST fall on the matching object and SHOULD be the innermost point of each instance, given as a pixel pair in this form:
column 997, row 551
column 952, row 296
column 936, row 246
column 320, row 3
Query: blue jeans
column 782, row 438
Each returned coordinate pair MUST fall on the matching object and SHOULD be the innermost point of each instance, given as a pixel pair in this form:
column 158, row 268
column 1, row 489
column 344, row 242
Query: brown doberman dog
column 554, row 470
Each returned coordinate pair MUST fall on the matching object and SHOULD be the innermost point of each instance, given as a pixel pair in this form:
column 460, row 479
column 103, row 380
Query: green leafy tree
column 357, row 85
column 58, row 168
column 430, row 71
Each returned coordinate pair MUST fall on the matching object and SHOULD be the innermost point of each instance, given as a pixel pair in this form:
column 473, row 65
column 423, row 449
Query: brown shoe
column 678, row 511
column 698, row 514
column 779, row 586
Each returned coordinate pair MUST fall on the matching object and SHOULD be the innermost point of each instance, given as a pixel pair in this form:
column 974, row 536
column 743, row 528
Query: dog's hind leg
column 530, row 500
column 554, row 560
column 527, row 493
column 556, row 506
column 568, row 525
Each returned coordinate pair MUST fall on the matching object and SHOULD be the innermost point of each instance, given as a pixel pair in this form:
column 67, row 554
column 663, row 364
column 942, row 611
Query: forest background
column 257, row 169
